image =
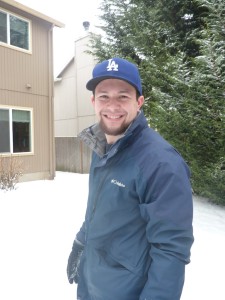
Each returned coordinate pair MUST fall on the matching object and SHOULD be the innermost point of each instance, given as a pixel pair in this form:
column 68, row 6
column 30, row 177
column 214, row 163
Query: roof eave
column 34, row 12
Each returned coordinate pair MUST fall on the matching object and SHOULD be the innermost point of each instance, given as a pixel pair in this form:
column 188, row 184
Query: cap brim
column 91, row 84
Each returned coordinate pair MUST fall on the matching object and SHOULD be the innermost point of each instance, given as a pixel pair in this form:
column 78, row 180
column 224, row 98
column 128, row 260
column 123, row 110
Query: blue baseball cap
column 117, row 68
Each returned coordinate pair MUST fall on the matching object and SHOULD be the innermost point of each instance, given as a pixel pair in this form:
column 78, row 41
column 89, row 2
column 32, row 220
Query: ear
column 93, row 100
column 140, row 101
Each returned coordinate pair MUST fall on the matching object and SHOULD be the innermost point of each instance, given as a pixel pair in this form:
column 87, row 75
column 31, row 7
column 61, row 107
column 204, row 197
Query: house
column 26, row 89
column 73, row 109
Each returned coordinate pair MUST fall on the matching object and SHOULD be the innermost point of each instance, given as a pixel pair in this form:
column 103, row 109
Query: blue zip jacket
column 138, row 225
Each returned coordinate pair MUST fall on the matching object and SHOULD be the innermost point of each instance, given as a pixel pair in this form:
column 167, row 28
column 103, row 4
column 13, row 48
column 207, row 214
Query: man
column 137, row 234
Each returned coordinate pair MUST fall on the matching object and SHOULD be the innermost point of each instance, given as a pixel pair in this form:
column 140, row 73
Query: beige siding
column 26, row 80
column 39, row 160
column 19, row 69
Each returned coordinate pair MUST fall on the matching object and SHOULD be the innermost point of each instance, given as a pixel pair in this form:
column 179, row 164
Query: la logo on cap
column 112, row 65
column 116, row 68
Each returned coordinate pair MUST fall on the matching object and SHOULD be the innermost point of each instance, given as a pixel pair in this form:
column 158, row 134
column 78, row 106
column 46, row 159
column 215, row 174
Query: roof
column 65, row 68
column 33, row 12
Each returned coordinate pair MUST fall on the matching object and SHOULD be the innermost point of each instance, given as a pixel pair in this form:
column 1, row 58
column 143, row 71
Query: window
column 14, row 30
column 15, row 130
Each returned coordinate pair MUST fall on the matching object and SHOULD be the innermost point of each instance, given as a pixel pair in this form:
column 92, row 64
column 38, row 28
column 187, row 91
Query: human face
column 116, row 106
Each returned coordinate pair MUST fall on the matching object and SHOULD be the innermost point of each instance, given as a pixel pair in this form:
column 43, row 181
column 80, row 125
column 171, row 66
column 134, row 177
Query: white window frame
column 8, row 14
column 10, row 109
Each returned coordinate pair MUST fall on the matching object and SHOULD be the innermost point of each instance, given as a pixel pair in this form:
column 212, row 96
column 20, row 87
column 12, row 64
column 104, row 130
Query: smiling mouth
column 113, row 117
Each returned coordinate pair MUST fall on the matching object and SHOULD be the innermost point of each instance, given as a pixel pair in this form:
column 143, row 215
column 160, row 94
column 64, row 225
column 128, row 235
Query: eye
column 103, row 98
column 123, row 97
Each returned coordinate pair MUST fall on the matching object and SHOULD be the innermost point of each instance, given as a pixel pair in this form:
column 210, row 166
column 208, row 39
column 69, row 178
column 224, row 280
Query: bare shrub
column 10, row 172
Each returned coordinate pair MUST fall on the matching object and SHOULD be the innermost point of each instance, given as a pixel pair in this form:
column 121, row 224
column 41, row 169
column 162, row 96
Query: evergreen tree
column 179, row 48
column 149, row 33
column 208, row 117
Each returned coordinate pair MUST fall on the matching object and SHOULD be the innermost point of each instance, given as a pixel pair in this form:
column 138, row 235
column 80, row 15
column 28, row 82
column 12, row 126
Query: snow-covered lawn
column 38, row 222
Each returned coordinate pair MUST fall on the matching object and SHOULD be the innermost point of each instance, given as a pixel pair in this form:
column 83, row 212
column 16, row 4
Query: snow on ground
column 39, row 220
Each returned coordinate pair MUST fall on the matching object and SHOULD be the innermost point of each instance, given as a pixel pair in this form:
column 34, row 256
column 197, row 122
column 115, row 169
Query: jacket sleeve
column 168, row 211
column 80, row 236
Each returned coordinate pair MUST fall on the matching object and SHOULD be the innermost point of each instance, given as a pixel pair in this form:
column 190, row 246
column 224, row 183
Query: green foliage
column 208, row 181
column 179, row 47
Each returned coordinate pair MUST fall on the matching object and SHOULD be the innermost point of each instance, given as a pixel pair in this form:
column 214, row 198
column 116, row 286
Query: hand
column 74, row 261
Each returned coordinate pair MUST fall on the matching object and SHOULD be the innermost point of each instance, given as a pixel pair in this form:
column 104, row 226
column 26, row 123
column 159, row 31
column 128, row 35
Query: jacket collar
column 95, row 138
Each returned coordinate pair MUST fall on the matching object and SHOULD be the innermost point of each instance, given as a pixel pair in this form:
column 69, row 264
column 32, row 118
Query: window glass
column 21, row 131
column 3, row 27
column 14, row 30
column 15, row 130
column 18, row 32
column 4, row 131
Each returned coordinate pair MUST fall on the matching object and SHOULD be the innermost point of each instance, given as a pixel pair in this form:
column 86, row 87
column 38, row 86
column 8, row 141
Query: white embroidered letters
column 116, row 182
column 112, row 65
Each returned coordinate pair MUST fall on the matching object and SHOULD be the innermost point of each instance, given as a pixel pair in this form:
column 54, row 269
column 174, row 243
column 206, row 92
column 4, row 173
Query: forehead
column 113, row 84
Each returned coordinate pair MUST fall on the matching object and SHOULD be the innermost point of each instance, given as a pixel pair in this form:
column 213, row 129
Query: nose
column 113, row 102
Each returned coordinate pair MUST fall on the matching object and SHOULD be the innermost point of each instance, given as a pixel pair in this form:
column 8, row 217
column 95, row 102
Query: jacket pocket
column 121, row 263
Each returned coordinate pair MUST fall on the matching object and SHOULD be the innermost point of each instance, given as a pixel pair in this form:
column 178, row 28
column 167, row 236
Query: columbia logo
column 116, row 182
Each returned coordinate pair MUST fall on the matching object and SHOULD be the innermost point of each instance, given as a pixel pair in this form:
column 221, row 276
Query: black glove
column 73, row 261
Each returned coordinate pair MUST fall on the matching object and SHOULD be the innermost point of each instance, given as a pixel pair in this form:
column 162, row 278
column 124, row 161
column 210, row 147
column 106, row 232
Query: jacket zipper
column 96, row 199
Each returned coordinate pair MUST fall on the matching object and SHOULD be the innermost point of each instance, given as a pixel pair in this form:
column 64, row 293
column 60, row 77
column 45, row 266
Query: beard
column 111, row 130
